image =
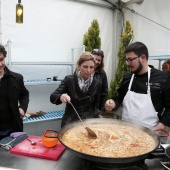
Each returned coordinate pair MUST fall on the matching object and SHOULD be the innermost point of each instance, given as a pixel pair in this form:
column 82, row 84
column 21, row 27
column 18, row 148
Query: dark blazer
column 18, row 98
column 87, row 104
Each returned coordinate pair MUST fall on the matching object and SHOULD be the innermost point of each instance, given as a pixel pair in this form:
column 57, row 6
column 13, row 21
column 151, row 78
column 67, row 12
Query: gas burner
column 90, row 165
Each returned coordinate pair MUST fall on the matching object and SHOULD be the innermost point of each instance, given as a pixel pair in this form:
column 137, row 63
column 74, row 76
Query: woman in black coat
column 101, row 76
column 166, row 66
column 82, row 89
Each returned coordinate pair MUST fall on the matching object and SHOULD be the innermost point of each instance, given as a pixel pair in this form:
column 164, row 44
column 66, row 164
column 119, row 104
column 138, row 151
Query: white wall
column 52, row 28
column 156, row 37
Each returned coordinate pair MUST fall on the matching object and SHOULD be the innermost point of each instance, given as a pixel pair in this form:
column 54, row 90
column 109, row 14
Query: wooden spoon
column 90, row 132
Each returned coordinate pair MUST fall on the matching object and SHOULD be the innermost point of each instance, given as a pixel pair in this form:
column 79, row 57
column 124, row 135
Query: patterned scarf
column 84, row 84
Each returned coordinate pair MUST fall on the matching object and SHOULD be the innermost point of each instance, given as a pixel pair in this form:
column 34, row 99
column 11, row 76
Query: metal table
column 67, row 161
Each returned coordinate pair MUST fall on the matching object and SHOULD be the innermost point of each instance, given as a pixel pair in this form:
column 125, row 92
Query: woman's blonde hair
column 86, row 56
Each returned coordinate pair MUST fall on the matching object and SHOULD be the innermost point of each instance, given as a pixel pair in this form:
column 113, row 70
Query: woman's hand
column 65, row 98
column 109, row 105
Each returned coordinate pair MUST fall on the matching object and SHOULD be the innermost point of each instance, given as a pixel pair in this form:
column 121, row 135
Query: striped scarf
column 84, row 84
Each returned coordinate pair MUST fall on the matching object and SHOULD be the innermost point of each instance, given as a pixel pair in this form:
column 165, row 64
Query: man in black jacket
column 144, row 93
column 14, row 99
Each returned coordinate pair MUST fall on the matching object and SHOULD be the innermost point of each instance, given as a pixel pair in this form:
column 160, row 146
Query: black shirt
column 5, row 111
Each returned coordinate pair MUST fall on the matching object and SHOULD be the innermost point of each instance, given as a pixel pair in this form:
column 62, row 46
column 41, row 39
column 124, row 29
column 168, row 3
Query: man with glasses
column 14, row 98
column 143, row 93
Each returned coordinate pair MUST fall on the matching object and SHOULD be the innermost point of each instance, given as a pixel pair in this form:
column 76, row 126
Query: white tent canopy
column 53, row 32
column 52, row 28
column 151, row 24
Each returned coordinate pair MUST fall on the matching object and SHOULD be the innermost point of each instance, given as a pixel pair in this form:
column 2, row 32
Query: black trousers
column 5, row 133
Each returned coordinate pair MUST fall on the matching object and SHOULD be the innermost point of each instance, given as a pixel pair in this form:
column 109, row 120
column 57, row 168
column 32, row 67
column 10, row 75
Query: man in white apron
column 143, row 94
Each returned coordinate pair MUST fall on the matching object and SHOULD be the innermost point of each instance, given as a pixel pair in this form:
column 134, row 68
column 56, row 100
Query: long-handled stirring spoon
column 89, row 131
column 32, row 142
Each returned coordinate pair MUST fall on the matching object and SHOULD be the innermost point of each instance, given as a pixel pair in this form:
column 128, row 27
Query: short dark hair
column 2, row 50
column 138, row 48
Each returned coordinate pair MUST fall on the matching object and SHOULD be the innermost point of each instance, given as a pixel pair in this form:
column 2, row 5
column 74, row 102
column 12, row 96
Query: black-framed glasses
column 129, row 60
column 97, row 51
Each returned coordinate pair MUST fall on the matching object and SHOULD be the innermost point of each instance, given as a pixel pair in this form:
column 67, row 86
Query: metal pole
column 72, row 55
column 83, row 48
column 9, row 54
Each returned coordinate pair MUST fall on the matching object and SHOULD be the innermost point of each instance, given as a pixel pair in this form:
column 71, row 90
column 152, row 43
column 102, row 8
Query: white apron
column 138, row 108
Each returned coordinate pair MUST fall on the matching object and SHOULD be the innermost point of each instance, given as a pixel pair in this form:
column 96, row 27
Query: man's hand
column 22, row 113
column 158, row 127
column 109, row 105
column 65, row 98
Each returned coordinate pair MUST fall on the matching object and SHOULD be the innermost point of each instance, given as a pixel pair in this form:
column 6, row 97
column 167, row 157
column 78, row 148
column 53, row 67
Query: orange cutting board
column 38, row 150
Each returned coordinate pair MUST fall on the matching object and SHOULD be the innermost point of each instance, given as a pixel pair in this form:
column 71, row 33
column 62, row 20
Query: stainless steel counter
column 67, row 161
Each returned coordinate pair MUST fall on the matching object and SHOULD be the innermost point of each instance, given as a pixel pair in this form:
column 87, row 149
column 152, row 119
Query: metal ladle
column 32, row 142
column 90, row 132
